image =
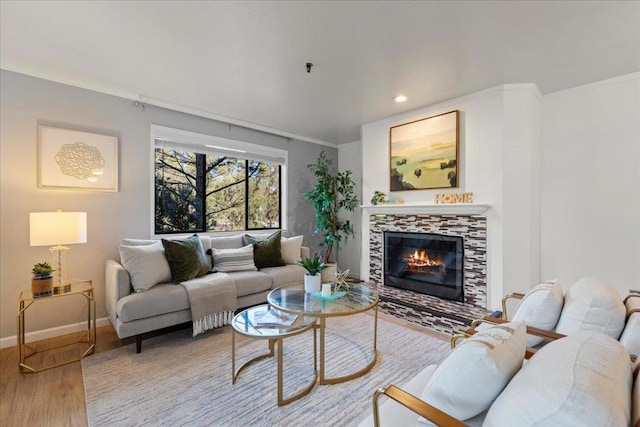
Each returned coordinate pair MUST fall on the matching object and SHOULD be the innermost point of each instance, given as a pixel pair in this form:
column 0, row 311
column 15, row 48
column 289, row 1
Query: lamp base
column 62, row 289
column 60, row 259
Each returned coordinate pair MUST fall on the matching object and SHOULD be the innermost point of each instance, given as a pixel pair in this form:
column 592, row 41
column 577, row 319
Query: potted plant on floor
column 42, row 280
column 312, row 278
column 332, row 194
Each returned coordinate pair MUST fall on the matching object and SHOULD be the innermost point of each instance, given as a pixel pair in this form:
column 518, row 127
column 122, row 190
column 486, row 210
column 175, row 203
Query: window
column 208, row 184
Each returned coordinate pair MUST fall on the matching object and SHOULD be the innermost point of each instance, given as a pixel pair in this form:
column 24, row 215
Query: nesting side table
column 88, row 336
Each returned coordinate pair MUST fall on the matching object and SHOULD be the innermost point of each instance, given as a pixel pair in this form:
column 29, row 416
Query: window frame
column 219, row 145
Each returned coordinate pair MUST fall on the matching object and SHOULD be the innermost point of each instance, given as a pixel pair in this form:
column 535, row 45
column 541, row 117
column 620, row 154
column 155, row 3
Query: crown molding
column 169, row 105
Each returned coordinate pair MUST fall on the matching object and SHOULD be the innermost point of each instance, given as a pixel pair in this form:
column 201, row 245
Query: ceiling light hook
column 308, row 65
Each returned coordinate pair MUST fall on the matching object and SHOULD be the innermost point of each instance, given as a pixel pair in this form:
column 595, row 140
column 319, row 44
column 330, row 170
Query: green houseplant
column 42, row 280
column 332, row 194
column 312, row 278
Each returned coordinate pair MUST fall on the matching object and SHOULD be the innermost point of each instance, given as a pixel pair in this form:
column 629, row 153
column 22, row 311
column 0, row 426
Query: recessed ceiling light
column 400, row 98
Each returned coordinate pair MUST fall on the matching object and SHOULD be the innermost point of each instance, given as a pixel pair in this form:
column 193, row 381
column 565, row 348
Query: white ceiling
column 245, row 60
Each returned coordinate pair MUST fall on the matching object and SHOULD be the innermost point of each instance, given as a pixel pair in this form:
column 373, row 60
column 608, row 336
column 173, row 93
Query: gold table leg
column 236, row 372
column 358, row 373
column 273, row 343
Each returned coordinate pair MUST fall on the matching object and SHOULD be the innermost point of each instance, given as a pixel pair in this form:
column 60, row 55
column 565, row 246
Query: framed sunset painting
column 424, row 153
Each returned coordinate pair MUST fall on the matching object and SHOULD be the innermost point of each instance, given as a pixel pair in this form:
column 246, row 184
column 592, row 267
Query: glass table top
column 293, row 299
column 247, row 323
column 77, row 287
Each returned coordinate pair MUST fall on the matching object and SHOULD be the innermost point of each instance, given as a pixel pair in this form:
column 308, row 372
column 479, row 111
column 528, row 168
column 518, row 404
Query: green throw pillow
column 266, row 252
column 186, row 258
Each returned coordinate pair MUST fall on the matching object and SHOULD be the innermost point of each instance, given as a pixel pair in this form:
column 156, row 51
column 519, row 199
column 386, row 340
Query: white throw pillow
column 147, row 265
column 540, row 308
column 290, row 249
column 227, row 260
column 581, row 380
column 468, row 380
column 591, row 304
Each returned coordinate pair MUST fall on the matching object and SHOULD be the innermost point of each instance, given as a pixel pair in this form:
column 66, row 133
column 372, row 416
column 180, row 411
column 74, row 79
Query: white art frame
column 77, row 160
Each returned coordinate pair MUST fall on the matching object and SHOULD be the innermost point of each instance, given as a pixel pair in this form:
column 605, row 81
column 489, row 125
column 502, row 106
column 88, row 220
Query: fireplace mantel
column 429, row 209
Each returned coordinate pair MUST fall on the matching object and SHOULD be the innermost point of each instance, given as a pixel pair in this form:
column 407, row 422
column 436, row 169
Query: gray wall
column 350, row 158
column 26, row 102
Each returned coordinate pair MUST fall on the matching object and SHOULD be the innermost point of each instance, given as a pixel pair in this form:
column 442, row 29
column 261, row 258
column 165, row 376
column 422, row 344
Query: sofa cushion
column 227, row 260
column 161, row 299
column 186, row 258
column 250, row 282
column 468, row 380
column 591, row 304
column 266, row 250
column 635, row 402
column 582, row 380
column 138, row 242
column 290, row 249
column 147, row 265
column 205, row 240
column 226, row 242
column 540, row 308
column 285, row 275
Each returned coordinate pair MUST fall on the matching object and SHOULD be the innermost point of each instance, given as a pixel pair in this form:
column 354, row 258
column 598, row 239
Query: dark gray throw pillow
column 186, row 258
column 266, row 251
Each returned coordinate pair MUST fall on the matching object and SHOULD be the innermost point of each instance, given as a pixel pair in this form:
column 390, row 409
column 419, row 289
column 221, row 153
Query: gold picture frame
column 77, row 160
column 423, row 154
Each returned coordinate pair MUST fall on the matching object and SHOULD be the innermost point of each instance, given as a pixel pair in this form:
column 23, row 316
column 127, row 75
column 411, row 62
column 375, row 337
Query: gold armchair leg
column 376, row 409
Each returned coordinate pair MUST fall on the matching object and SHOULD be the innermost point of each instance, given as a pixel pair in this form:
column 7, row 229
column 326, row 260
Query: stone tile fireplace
column 443, row 311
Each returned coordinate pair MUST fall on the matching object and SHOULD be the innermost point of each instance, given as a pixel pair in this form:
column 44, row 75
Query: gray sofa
column 133, row 314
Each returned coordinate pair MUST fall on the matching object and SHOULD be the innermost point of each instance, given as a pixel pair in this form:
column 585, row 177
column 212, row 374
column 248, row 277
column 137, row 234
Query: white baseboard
column 52, row 332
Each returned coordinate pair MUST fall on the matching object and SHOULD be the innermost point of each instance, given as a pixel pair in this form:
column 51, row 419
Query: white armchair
column 590, row 304
column 584, row 379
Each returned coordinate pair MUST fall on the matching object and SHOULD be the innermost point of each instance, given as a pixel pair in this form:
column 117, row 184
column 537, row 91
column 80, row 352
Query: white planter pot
column 312, row 283
column 329, row 273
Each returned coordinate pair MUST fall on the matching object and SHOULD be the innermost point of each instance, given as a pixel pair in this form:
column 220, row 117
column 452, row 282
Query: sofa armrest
column 418, row 406
column 118, row 285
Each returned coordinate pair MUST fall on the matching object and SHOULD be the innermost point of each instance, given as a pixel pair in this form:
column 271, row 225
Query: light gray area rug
column 180, row 380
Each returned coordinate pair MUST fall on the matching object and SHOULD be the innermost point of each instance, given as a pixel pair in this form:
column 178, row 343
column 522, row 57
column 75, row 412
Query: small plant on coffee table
column 313, row 265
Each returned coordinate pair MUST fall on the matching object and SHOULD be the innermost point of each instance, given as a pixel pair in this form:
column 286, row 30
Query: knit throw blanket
column 213, row 301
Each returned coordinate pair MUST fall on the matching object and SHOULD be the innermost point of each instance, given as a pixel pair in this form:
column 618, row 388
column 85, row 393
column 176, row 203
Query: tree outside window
column 196, row 192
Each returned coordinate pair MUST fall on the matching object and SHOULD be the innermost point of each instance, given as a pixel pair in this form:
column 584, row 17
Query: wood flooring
column 54, row 397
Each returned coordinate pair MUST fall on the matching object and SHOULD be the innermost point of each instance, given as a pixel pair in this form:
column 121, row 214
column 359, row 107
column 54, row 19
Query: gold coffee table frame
column 359, row 299
column 242, row 324
column 88, row 336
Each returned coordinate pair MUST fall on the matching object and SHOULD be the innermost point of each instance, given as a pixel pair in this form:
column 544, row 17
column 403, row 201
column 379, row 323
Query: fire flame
column 421, row 259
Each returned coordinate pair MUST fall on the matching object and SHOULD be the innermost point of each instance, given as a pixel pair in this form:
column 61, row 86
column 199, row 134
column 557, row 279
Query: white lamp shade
column 57, row 228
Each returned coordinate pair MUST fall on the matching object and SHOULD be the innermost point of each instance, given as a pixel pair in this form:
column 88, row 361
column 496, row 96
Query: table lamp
column 58, row 229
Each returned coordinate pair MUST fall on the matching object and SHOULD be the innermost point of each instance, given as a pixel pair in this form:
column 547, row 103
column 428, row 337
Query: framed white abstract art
column 71, row 159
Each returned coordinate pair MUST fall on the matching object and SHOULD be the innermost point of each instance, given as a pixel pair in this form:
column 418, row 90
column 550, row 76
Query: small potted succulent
column 312, row 279
column 42, row 280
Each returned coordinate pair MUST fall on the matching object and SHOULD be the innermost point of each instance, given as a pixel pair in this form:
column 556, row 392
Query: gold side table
column 88, row 336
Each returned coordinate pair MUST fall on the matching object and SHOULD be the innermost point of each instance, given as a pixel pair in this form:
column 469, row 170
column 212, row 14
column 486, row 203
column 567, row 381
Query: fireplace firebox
column 431, row 264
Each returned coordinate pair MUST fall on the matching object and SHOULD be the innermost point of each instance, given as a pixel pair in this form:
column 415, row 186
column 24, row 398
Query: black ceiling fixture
column 308, row 65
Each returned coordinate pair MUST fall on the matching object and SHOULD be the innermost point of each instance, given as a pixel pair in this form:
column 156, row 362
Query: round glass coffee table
column 358, row 299
column 253, row 323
